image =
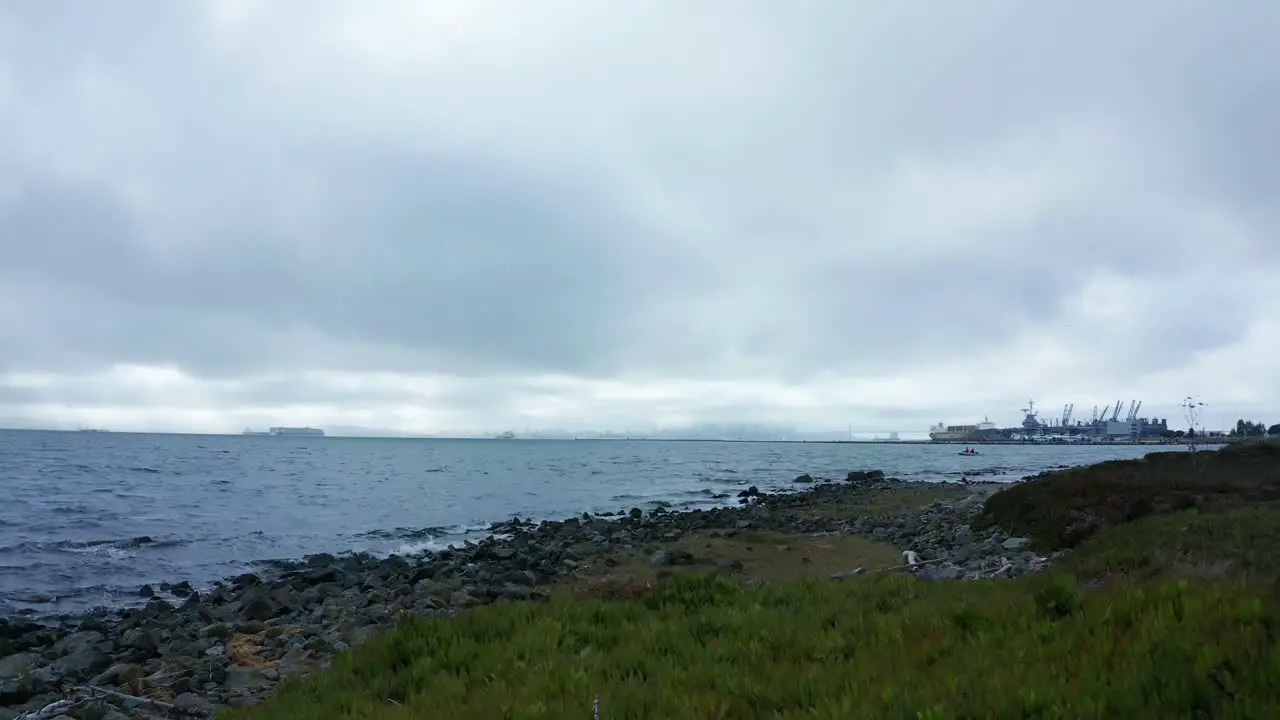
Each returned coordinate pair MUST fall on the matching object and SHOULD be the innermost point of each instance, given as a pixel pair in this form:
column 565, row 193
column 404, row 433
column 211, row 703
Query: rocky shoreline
column 191, row 653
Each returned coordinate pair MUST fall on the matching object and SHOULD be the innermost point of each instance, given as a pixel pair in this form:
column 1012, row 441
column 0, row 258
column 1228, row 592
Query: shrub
column 1061, row 509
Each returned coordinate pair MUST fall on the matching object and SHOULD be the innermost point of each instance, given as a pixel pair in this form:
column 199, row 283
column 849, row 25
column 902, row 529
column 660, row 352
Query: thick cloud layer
column 487, row 214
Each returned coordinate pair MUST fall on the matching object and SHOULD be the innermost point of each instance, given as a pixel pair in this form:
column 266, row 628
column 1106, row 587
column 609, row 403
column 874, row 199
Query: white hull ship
column 286, row 432
column 956, row 433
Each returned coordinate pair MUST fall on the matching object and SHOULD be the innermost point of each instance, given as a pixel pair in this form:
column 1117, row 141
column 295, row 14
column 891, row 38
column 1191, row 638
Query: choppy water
column 87, row 518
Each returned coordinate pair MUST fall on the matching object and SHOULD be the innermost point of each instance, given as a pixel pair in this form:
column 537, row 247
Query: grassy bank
column 1227, row 545
column 1062, row 509
column 1166, row 607
column 704, row 647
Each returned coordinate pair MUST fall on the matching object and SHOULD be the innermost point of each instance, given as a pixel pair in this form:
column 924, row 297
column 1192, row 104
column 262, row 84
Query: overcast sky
column 481, row 214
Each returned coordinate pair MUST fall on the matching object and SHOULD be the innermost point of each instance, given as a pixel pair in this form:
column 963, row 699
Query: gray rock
column 18, row 664
column 81, row 662
column 362, row 634
column 141, row 639
column 512, row 591
column 245, row 678
column 118, row 674
column 944, row 571
column 462, row 599
column 19, row 681
column 1015, row 543
column 78, row 642
column 189, row 702
column 260, row 608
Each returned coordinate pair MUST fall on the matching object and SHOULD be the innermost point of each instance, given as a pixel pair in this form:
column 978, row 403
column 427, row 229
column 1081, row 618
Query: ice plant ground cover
column 1064, row 507
column 1166, row 606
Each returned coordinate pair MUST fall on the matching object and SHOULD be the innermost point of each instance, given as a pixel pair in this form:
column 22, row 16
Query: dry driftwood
column 51, row 710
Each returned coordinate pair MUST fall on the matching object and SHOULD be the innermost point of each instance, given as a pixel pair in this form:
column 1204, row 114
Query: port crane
column 1134, row 407
column 1066, row 414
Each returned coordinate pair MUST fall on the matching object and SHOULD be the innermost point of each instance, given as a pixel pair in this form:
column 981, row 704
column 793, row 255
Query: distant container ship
column 944, row 433
column 287, row 432
column 297, row 432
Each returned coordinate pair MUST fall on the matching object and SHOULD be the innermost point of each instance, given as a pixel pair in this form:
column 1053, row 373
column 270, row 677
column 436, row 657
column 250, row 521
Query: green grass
column 1239, row 544
column 702, row 646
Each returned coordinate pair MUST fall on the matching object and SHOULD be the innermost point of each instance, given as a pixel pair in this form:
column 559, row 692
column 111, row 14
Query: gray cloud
column 660, row 193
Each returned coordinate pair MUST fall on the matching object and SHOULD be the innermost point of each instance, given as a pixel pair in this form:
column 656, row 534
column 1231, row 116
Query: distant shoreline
column 898, row 442
column 881, row 441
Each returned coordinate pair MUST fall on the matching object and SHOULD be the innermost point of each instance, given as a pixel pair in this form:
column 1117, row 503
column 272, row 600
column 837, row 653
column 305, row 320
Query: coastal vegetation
column 1163, row 603
column 1062, row 508
column 1250, row 429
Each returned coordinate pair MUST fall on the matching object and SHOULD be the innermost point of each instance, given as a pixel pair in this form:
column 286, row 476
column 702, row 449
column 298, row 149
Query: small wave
column 699, row 503
column 404, row 533
column 722, row 480
column 423, row 534
column 705, row 493
column 138, row 542
column 416, row 547
column 717, row 477
column 111, row 551
column 110, row 548
column 50, row 605
column 703, row 497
